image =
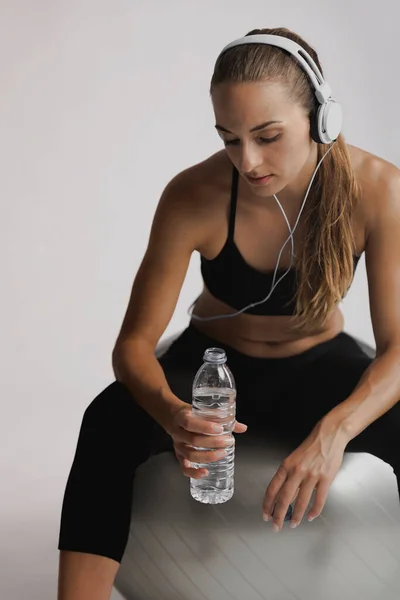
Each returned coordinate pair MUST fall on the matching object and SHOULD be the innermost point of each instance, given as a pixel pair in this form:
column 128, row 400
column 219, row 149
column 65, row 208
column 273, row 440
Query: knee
column 115, row 411
column 386, row 435
column 114, row 404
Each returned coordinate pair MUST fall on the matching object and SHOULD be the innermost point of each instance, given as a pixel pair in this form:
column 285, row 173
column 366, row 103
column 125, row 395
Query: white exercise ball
column 181, row 549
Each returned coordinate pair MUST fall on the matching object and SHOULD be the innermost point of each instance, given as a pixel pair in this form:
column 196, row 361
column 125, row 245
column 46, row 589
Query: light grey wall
column 101, row 104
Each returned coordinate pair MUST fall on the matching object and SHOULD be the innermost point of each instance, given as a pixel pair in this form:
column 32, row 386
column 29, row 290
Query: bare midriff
column 260, row 336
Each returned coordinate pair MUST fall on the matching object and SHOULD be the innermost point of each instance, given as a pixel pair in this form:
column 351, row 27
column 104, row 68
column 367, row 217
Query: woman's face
column 283, row 149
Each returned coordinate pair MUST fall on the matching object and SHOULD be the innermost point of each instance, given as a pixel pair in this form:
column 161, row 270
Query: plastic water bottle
column 214, row 399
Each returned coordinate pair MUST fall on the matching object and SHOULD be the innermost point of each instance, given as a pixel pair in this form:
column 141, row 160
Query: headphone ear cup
column 330, row 121
column 314, row 133
column 326, row 122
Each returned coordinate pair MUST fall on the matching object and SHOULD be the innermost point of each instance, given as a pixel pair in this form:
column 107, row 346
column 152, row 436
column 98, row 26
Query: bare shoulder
column 199, row 194
column 370, row 168
column 375, row 176
column 209, row 175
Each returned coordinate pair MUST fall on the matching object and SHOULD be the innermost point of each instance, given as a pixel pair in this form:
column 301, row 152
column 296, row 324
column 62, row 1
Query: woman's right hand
column 187, row 430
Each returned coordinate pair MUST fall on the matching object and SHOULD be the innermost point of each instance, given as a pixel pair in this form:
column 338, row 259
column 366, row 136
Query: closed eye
column 263, row 140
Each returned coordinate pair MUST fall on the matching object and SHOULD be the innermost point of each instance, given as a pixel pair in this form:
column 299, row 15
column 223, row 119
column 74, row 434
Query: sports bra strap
column 232, row 214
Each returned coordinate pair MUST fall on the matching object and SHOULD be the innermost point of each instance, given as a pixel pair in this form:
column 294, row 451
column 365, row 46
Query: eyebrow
column 256, row 128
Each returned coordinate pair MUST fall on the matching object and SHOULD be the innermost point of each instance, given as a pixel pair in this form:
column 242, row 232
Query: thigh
column 326, row 382
column 114, row 419
column 260, row 394
column 316, row 387
column 116, row 436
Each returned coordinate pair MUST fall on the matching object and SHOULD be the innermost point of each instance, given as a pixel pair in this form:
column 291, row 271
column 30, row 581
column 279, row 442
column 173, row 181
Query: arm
column 315, row 463
column 156, row 288
column 379, row 388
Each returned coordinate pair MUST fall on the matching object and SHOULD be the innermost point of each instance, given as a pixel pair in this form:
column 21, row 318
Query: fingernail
column 293, row 524
column 311, row 519
column 266, row 517
column 275, row 527
column 221, row 453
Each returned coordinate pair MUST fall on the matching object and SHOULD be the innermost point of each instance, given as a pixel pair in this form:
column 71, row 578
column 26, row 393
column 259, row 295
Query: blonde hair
column 324, row 263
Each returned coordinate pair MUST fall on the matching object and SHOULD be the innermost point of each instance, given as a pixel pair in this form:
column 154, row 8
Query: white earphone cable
column 273, row 285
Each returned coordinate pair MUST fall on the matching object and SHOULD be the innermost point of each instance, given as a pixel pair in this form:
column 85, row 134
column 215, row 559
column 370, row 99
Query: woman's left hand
column 314, row 464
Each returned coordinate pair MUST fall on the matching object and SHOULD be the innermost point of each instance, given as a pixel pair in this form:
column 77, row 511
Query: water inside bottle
column 217, row 405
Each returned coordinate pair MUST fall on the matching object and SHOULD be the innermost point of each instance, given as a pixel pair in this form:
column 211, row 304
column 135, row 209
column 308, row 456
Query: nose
column 250, row 159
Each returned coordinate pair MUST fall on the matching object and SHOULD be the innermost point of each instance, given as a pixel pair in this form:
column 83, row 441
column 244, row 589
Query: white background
column 101, row 104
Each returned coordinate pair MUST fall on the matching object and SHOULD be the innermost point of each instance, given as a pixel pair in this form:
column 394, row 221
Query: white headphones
column 327, row 123
column 325, row 127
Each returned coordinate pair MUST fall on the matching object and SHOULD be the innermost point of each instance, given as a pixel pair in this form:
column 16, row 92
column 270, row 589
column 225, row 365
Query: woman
column 296, row 370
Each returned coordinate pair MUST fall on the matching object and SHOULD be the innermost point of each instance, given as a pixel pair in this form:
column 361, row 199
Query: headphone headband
column 322, row 88
column 326, row 124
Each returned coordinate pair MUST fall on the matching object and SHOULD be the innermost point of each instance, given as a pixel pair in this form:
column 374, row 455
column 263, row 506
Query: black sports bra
column 232, row 280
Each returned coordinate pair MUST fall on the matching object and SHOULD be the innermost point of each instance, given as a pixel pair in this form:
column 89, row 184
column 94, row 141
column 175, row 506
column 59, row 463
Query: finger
column 188, row 470
column 303, row 500
column 290, row 510
column 183, row 436
column 267, row 511
column 239, row 427
column 200, row 456
column 320, row 498
column 190, row 422
column 283, row 502
column 272, row 492
column 295, row 496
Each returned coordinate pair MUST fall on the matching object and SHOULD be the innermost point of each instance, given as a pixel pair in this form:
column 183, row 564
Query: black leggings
column 286, row 396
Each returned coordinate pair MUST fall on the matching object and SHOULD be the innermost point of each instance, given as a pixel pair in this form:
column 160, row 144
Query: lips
column 259, row 181
column 256, row 178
